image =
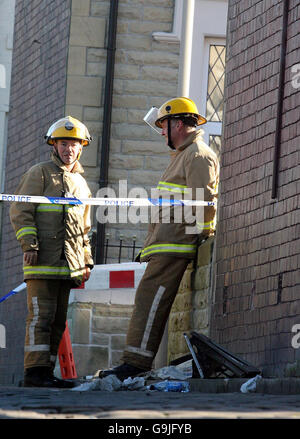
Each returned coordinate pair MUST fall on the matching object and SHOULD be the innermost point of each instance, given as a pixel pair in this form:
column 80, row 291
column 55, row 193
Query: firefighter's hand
column 30, row 257
column 86, row 274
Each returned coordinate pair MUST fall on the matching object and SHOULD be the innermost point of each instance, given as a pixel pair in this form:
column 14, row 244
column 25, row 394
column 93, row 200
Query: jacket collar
column 191, row 138
column 76, row 169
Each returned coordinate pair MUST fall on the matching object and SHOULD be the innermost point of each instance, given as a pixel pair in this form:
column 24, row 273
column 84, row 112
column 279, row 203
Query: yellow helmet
column 179, row 107
column 68, row 128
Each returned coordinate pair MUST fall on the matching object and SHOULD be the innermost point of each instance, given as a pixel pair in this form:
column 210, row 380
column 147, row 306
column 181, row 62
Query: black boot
column 43, row 377
column 122, row 372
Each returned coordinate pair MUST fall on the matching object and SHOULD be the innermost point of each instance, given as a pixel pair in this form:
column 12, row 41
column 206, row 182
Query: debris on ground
column 214, row 361
column 170, row 386
column 136, row 383
column 111, row 383
column 211, row 359
column 250, row 385
column 182, row 371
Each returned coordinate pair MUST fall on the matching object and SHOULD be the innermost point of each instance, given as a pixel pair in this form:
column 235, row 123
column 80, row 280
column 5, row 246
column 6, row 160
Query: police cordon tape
column 121, row 202
column 16, row 290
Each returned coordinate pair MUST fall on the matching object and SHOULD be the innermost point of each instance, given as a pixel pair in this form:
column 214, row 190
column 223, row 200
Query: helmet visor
column 150, row 119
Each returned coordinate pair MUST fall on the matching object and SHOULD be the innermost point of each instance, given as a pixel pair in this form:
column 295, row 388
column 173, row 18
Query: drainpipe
column 105, row 143
column 280, row 98
column 186, row 45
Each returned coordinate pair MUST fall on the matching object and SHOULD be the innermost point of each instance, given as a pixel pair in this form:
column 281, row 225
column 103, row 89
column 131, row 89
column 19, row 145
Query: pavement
column 207, row 400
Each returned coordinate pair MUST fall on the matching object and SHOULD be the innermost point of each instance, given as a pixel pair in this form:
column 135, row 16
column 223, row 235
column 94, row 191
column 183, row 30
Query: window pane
column 215, row 86
column 215, row 144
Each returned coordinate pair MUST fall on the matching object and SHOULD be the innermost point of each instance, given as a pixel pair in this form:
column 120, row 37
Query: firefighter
column 170, row 246
column 56, row 248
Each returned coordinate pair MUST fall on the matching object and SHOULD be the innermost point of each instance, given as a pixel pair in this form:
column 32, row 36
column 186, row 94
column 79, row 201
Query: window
column 213, row 91
column 215, row 83
column 215, row 143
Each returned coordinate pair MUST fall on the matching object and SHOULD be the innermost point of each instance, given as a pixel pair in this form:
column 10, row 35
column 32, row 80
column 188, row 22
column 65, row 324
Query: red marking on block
column 81, row 287
column 121, row 279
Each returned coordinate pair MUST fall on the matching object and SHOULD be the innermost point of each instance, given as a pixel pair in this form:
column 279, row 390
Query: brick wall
column 37, row 98
column 257, row 285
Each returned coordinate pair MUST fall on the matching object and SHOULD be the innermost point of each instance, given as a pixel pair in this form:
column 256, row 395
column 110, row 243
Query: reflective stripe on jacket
column 169, row 248
column 58, row 232
column 176, row 230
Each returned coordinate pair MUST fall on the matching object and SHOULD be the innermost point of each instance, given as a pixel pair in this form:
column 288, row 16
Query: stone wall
column 98, row 332
column 99, row 314
column 191, row 308
column 146, row 74
column 137, row 154
column 85, row 77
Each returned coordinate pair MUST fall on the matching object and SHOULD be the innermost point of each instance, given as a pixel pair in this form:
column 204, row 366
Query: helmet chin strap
column 170, row 143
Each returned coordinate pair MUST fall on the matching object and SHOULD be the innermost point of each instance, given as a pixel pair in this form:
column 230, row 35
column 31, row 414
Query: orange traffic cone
column 65, row 355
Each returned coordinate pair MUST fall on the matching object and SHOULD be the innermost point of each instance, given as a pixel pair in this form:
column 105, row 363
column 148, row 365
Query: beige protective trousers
column 153, row 301
column 47, row 303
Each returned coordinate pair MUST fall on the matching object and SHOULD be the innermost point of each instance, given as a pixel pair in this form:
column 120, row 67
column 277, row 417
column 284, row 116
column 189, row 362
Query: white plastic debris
column 180, row 372
column 137, row 383
column 109, row 384
column 186, row 368
column 250, row 385
column 84, row 387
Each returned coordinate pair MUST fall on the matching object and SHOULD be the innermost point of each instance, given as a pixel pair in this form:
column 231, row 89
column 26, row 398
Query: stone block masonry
column 139, row 60
column 191, row 307
column 98, row 333
column 99, row 315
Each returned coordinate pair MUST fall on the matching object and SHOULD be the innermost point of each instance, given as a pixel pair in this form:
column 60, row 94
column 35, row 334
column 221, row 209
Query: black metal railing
column 124, row 243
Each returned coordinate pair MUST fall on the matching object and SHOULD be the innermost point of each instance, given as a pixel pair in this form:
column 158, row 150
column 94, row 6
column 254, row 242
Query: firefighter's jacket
column 193, row 173
column 58, row 232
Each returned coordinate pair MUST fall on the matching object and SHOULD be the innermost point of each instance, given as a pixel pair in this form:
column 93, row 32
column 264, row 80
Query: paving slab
column 274, row 386
column 39, row 403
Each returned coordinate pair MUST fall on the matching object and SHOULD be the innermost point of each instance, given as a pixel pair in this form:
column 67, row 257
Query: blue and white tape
column 120, row 202
column 16, row 290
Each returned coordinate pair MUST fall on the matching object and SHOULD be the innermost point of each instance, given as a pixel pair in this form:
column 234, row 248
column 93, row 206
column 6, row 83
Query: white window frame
column 210, row 25
column 174, row 36
column 210, row 128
